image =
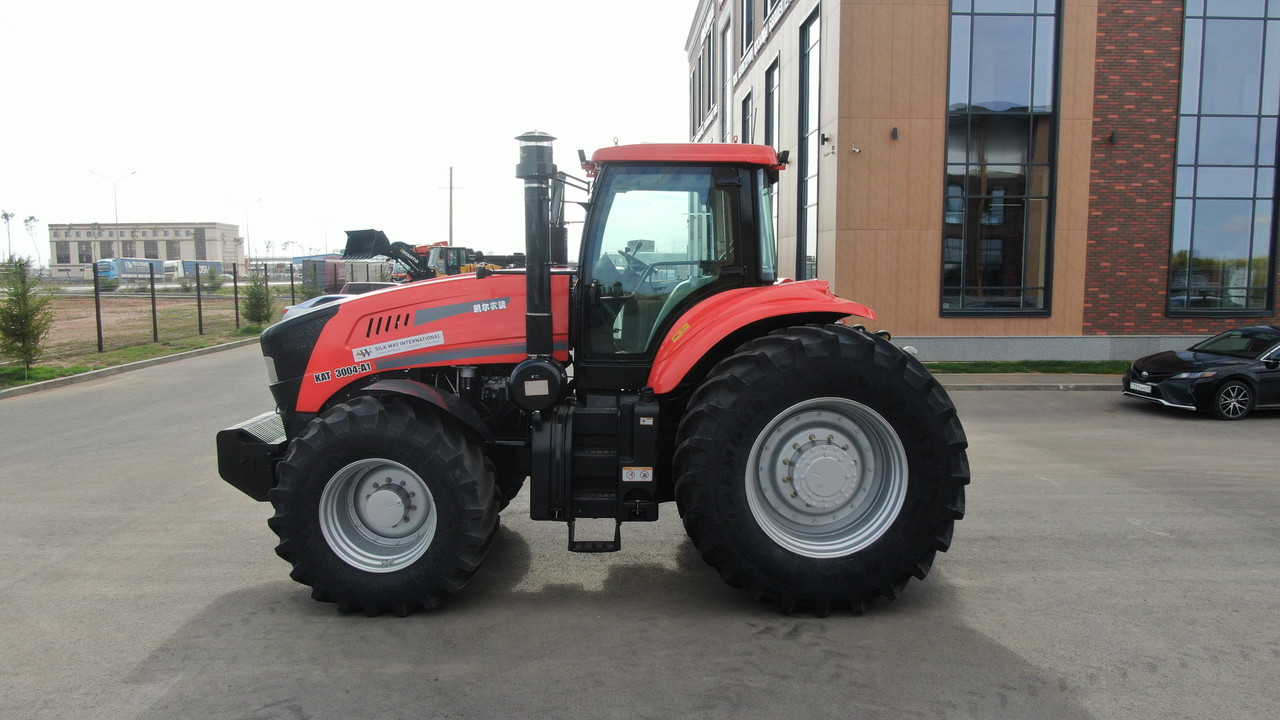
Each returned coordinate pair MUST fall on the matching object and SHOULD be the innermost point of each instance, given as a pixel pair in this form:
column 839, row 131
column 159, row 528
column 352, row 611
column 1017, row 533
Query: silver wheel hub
column 826, row 477
column 377, row 515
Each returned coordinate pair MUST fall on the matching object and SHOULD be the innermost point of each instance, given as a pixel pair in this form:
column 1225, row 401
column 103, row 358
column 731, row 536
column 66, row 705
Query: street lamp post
column 115, row 197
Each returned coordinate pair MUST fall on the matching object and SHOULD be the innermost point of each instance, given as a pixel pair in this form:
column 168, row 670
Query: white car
column 316, row 301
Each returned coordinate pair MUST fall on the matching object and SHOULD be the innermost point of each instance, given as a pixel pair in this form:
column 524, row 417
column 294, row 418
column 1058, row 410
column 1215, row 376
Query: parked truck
column 814, row 464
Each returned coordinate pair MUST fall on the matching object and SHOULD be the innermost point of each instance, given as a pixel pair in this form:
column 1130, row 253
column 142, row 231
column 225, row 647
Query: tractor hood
column 458, row 320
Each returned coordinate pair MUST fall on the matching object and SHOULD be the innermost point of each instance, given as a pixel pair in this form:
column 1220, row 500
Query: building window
column 746, row 119
column 63, row 252
column 200, row 249
column 128, row 249
column 84, row 252
column 748, row 24
column 172, row 251
column 1224, row 216
column 807, row 164
column 105, row 251
column 1001, row 135
column 151, row 249
column 771, row 128
column 726, row 90
column 769, row 6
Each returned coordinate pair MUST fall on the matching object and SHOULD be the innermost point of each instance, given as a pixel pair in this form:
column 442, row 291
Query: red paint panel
column 735, row 153
column 714, row 319
column 458, row 320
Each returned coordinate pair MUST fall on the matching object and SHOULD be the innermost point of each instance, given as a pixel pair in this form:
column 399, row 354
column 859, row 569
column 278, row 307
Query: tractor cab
column 658, row 239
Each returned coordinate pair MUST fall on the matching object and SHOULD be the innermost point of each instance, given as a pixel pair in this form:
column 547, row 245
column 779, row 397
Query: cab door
column 658, row 239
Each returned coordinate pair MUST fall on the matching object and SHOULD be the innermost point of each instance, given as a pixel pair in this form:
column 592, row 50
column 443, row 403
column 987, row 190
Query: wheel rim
column 377, row 515
column 1233, row 401
column 827, row 477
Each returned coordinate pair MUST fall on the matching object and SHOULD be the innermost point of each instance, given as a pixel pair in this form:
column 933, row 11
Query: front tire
column 820, row 467
column 1232, row 401
column 381, row 507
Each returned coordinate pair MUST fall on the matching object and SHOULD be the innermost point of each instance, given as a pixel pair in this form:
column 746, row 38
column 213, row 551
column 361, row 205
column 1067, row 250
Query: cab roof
column 730, row 153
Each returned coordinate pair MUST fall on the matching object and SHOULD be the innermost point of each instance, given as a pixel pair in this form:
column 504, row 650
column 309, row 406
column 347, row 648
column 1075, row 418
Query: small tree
column 212, row 280
column 25, row 315
column 257, row 307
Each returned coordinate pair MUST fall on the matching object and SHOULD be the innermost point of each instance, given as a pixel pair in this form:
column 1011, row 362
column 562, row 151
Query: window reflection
column 1000, row 137
column 1223, row 237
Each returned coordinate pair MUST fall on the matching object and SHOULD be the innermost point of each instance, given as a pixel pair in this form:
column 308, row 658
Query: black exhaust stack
column 538, row 382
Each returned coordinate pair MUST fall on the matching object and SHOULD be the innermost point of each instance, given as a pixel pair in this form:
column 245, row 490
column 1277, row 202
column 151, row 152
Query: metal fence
column 110, row 314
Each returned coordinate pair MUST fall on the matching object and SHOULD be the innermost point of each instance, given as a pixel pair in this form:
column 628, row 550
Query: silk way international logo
column 395, row 347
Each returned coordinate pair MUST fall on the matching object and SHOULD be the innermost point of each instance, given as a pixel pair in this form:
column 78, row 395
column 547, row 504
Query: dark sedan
column 1228, row 375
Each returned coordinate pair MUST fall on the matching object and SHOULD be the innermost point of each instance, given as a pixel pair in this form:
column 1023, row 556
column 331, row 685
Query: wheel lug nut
column 812, row 436
column 786, row 461
column 786, row 478
column 793, row 494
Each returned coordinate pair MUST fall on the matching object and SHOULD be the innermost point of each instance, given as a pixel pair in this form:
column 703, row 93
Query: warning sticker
column 637, row 474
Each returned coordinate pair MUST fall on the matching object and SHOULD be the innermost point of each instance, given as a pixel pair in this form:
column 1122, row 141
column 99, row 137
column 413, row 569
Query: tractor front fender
column 448, row 403
column 709, row 322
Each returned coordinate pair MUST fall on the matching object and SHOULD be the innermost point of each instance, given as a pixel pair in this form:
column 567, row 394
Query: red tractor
column 814, row 464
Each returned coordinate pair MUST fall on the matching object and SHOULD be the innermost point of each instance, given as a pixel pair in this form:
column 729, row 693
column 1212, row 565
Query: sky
column 297, row 121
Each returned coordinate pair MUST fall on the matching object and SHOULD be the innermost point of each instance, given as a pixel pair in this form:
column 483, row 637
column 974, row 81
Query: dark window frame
column 808, row 127
column 971, row 204
column 1189, row 204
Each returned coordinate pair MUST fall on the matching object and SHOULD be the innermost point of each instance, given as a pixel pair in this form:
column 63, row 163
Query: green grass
column 12, row 375
column 1100, row 367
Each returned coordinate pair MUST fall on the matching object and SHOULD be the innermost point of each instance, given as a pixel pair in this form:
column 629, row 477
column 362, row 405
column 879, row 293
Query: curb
column 1087, row 387
column 116, row 370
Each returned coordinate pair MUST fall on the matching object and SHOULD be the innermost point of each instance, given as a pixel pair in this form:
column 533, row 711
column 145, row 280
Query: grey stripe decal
column 450, row 355
column 430, row 315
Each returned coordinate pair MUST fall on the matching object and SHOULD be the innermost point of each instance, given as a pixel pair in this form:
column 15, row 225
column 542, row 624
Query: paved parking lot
column 1118, row 560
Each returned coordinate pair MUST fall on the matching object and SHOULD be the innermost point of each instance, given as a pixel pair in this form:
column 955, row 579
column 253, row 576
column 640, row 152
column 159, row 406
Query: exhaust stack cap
column 535, row 157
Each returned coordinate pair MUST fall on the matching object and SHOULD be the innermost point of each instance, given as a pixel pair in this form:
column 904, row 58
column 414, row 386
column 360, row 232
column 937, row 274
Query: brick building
column 1006, row 179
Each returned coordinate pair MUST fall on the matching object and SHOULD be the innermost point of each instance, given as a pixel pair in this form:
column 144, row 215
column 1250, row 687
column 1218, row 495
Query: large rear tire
column 381, row 507
column 820, row 468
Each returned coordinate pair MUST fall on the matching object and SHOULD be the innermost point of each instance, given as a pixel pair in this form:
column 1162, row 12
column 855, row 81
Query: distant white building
column 74, row 247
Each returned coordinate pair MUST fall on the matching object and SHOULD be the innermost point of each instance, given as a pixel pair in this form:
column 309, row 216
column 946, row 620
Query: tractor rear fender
column 705, row 325
column 448, row 403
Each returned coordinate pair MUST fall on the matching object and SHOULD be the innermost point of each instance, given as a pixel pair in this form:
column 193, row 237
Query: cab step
column 596, row 546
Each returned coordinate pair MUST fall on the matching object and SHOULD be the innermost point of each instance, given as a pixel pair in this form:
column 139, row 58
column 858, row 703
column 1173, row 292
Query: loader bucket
column 364, row 244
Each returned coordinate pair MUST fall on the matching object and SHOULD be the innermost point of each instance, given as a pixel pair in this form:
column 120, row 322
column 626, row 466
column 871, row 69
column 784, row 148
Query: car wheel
column 1232, row 401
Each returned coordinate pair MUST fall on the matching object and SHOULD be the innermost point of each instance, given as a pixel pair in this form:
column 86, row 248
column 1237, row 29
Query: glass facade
column 1001, row 136
column 807, row 164
column 1224, row 220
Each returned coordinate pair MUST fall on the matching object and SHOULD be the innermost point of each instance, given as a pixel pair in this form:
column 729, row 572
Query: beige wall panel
column 1079, row 42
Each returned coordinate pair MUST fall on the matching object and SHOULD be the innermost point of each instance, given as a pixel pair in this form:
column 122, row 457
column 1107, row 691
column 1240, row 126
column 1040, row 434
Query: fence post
column 97, row 303
column 293, row 296
column 155, row 323
column 235, row 290
column 199, row 303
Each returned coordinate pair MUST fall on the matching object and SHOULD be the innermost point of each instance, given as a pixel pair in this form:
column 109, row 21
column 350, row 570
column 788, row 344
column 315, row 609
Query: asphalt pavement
column 1117, row 560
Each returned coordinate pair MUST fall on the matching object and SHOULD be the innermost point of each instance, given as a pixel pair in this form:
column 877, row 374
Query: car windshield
column 1248, row 343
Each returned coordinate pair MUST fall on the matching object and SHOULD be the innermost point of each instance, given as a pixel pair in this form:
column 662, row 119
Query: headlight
column 1195, row 375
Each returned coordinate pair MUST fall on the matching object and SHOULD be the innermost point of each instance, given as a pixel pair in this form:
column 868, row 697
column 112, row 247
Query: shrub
column 25, row 315
column 257, row 308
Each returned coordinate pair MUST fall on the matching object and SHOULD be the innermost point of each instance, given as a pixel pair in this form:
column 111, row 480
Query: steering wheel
column 635, row 264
